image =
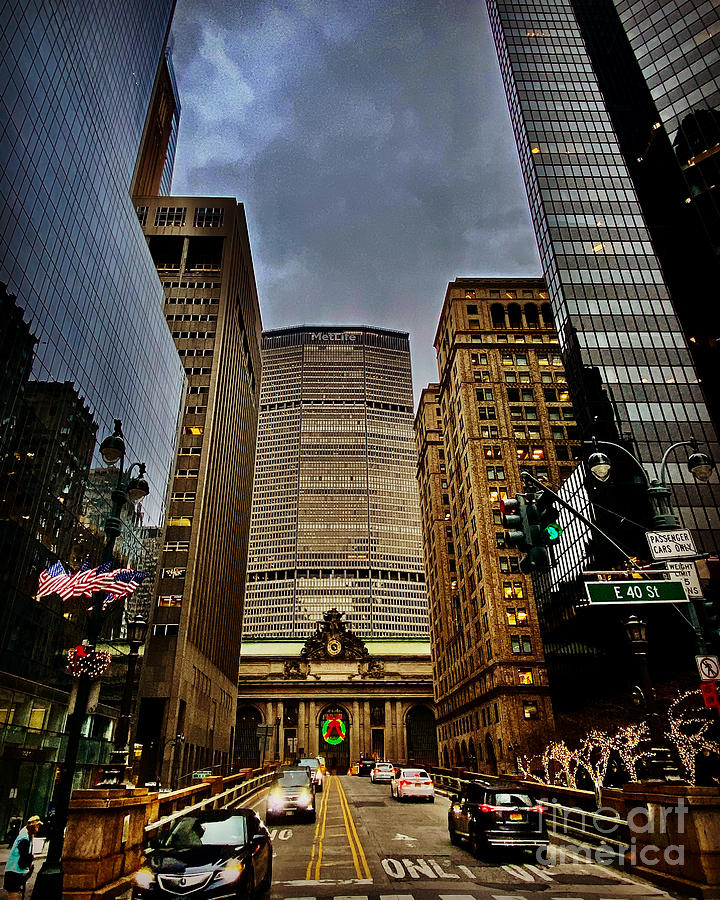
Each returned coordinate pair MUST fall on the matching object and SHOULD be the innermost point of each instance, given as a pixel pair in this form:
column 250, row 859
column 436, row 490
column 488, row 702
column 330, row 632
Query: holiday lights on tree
column 688, row 723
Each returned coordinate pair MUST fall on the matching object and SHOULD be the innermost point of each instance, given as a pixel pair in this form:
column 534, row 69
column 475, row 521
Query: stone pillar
column 301, row 730
column 401, row 747
column 312, row 745
column 104, row 839
column 675, row 830
column 390, row 747
column 367, row 732
column 280, row 731
column 355, row 734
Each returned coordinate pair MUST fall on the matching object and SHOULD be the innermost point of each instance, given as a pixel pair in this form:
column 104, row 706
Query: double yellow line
column 362, row 870
column 358, row 854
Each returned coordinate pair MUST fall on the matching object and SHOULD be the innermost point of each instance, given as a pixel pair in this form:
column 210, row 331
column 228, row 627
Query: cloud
column 371, row 145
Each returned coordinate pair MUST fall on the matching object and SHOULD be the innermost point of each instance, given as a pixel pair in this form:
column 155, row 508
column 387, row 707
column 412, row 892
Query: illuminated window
column 525, row 676
column 510, row 614
column 170, row 600
column 530, row 709
column 184, row 521
column 193, row 429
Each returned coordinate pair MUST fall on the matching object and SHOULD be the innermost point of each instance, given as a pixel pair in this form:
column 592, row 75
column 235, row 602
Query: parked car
column 412, row 783
column 366, row 765
column 382, row 771
column 213, row 854
column 292, row 793
column 496, row 814
column 316, row 772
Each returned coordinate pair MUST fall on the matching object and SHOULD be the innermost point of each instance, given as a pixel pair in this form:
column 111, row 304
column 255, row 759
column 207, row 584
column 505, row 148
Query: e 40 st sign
column 635, row 592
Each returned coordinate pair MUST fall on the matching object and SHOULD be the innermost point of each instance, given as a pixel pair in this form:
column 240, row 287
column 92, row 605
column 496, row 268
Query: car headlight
column 276, row 798
column 305, row 797
column 144, row 878
column 230, row 873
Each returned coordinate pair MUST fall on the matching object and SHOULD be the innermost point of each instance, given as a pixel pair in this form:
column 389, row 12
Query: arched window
column 531, row 315
column 514, row 315
column 497, row 315
column 547, row 316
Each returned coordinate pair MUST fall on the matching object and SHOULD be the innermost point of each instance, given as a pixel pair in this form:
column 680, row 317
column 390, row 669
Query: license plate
column 516, row 817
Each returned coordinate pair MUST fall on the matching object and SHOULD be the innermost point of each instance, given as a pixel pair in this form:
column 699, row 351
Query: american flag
column 125, row 582
column 51, row 579
column 71, row 587
column 101, row 580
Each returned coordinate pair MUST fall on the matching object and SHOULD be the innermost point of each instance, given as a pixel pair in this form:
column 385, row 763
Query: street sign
column 671, row 544
column 708, row 667
column 608, row 592
column 710, row 695
column 687, row 573
column 202, row 773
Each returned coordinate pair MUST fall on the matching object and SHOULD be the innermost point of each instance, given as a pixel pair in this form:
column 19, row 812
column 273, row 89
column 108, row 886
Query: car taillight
column 485, row 808
column 538, row 809
column 427, row 782
column 404, row 781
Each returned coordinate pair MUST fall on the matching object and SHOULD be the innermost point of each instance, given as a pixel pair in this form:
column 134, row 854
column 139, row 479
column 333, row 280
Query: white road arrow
column 404, row 837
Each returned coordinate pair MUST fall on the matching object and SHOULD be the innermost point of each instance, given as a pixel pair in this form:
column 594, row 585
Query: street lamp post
column 661, row 764
column 49, row 881
column 665, row 518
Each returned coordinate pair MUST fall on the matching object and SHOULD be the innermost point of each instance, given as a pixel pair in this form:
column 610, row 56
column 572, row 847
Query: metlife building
column 335, row 518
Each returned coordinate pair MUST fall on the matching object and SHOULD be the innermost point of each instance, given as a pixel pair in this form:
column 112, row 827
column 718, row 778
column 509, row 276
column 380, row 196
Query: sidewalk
column 39, row 852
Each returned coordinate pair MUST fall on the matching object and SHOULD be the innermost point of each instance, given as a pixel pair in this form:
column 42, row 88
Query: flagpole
column 49, row 881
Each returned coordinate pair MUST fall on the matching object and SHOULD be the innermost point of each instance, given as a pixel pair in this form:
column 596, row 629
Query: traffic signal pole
column 530, row 479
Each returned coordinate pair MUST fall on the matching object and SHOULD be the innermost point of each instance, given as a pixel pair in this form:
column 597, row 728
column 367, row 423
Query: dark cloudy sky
column 369, row 141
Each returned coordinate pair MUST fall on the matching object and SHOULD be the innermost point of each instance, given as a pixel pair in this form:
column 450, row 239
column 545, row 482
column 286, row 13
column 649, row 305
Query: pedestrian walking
column 19, row 866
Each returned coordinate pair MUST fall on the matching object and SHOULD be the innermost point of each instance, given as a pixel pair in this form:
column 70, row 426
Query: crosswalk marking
column 456, row 897
column 396, row 897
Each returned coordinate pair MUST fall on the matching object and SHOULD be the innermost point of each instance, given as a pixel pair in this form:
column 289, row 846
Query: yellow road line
column 319, row 834
column 350, row 826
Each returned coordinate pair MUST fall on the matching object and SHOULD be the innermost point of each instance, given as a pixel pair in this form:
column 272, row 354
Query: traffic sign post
column 677, row 544
column 708, row 667
column 614, row 592
column 687, row 573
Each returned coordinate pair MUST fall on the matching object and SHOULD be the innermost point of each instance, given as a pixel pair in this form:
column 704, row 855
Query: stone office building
column 201, row 249
column 335, row 539
column 501, row 405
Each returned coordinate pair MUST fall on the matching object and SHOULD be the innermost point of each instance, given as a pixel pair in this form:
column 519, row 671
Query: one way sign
column 708, row 667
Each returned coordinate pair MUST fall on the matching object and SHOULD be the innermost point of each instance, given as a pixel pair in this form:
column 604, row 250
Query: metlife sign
column 333, row 337
column 671, row 544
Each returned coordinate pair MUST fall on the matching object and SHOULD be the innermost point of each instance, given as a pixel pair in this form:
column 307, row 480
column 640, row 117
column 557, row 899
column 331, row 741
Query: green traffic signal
column 553, row 532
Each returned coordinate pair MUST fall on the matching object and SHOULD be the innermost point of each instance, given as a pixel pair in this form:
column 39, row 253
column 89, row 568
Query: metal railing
column 226, row 799
column 582, row 823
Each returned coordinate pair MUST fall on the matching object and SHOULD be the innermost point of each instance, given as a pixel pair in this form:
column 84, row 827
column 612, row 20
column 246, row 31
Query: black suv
column 496, row 814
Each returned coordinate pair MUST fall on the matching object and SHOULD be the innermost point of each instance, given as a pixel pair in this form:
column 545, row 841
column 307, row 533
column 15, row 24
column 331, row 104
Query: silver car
column 383, row 771
column 409, row 783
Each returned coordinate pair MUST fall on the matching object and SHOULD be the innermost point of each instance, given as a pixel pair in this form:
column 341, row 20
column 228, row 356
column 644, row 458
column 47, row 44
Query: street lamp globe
column 636, row 630
column 136, row 629
column 138, row 487
column 113, row 447
column 599, row 464
column 700, row 465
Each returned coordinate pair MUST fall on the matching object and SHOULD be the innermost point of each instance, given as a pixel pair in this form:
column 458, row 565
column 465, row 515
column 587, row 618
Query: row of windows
column 203, row 216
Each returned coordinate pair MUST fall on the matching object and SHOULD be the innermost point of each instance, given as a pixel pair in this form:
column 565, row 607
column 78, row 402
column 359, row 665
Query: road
column 366, row 846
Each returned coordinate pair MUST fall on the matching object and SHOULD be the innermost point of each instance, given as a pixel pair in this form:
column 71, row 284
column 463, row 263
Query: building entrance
column 334, row 739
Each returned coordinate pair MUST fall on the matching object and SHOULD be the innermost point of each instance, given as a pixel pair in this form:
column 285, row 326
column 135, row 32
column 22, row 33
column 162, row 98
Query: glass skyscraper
column 626, row 357
column 85, row 336
column 335, row 518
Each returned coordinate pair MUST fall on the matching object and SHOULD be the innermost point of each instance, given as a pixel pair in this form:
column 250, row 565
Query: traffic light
column 515, row 522
column 709, row 609
column 548, row 518
column 538, row 558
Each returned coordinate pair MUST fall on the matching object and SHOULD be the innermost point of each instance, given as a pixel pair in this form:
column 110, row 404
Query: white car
column 412, row 783
column 383, row 771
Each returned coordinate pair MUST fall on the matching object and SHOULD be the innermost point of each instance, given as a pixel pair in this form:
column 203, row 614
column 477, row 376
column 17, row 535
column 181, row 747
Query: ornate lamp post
column 661, row 764
column 128, row 489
